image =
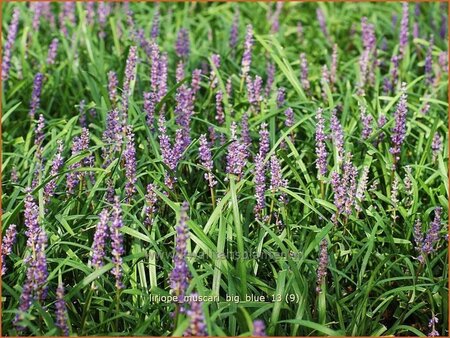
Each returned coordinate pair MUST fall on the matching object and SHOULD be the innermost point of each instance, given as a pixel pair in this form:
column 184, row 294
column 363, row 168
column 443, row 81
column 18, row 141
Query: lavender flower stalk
column 52, row 51
column 130, row 70
column 323, row 264
column 334, row 65
column 418, row 236
column 36, row 95
column 99, row 242
column 58, row 161
column 366, row 120
column 129, row 155
column 155, row 24
column 149, row 108
column 182, row 47
column 112, row 87
column 404, row 29
column 260, row 185
column 7, row 243
column 150, row 209
column 197, row 325
column 321, row 149
column 362, row 188
column 432, row 237
column 247, row 56
column 259, row 328
column 276, row 178
column 237, row 154
column 281, row 97
column 436, row 146
column 9, row 44
column 61, row 312
column 429, row 76
column 399, row 130
column 179, row 276
column 117, row 243
column 220, row 115
column 337, row 135
column 206, row 160
column 80, row 144
column 322, row 22
column 254, row 89
column 234, row 32
column 432, row 325
column 304, row 72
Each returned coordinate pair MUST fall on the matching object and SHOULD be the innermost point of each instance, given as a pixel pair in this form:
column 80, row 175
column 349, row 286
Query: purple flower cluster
column 237, row 153
column 344, row 188
column 150, row 208
column 281, row 97
column 36, row 94
column 129, row 155
column 117, row 243
column 220, row 115
column 334, row 65
column 197, row 324
column 57, row 163
column 366, row 120
column 155, row 24
column 130, row 70
column 234, row 32
column 52, row 51
column 432, row 325
column 9, row 44
column 182, row 47
column 179, row 276
column 259, row 328
column 215, row 58
column 112, row 87
column 247, row 56
column 436, row 145
column 61, row 312
column 99, row 242
column 362, row 188
column 404, row 29
column 270, row 77
column 304, row 72
column 7, row 243
column 149, row 108
column 429, row 76
column 322, row 22
column 254, row 91
column 80, row 144
column 112, row 136
column 276, row 178
column 260, row 185
column 337, row 135
column 321, row 149
column 206, row 160
column 399, row 130
column 36, row 262
column 323, row 264
column 432, row 236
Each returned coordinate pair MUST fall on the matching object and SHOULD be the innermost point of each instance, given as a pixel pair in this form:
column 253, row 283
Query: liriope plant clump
column 224, row 169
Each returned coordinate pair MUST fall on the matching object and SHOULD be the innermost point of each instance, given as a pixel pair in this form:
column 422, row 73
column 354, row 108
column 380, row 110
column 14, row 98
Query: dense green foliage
column 374, row 286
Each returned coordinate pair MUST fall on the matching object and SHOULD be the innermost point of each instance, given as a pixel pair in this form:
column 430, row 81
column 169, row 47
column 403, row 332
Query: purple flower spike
column 7, row 243
column 80, row 144
column 264, row 141
column 337, row 135
column 52, row 51
column 36, row 95
column 254, row 89
column 366, row 120
column 322, row 22
column 220, row 116
column 304, row 72
column 129, row 155
column 432, row 237
column 9, row 44
column 195, row 82
column 259, row 328
column 117, row 243
column 276, row 178
column 321, row 149
column 260, row 185
column 61, row 312
column 206, row 160
column 418, row 236
column 432, row 325
column 197, row 325
column 155, row 24
column 130, row 70
column 234, row 32
column 182, row 47
column 362, row 188
column 281, row 97
column 237, row 153
column 247, row 56
column 289, row 113
column 344, row 188
column 270, row 77
column 436, row 145
column 300, row 31
column 112, row 87
column 429, row 76
column 180, row 275
column 58, row 161
column 100, row 237
column 215, row 58
column 150, row 209
column 399, row 130
column 334, row 65
column 404, row 29
column 149, row 108
column 323, row 264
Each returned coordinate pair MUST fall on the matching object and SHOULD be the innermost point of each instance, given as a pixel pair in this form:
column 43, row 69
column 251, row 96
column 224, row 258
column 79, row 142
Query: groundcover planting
column 224, row 169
